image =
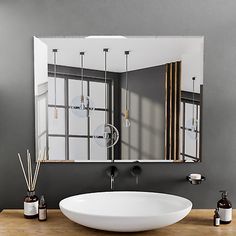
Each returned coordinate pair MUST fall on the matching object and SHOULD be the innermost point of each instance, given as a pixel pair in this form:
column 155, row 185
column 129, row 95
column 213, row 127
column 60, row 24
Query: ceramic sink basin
column 126, row 211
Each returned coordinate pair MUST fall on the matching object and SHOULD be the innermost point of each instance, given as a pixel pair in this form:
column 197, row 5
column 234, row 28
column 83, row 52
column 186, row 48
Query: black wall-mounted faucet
column 112, row 172
column 136, row 172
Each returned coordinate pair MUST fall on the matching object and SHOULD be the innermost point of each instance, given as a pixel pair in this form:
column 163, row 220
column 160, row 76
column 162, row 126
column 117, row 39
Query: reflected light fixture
column 55, row 81
column 192, row 122
column 82, row 106
column 126, row 118
column 106, row 135
column 193, row 127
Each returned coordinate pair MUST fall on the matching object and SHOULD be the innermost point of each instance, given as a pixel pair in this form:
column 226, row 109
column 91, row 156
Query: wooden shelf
column 198, row 222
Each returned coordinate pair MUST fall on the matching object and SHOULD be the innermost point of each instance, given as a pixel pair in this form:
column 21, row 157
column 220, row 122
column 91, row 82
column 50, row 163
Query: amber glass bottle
column 42, row 209
column 31, row 203
column 216, row 217
column 225, row 209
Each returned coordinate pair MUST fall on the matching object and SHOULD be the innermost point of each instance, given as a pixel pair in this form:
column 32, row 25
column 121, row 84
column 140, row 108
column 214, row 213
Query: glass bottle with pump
column 225, row 209
column 31, row 202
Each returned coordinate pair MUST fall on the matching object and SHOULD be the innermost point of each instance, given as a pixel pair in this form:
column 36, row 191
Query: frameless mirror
column 118, row 98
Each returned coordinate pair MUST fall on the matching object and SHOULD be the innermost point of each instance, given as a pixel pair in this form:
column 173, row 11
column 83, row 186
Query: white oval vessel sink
column 126, row 211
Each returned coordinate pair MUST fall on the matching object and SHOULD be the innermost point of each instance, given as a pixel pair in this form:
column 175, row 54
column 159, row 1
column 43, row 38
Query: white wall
column 192, row 66
column 40, row 63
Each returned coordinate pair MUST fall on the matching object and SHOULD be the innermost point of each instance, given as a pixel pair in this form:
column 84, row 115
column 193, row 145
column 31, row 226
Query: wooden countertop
column 198, row 222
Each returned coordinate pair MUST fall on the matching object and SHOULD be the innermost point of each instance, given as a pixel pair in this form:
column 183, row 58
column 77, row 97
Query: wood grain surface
column 197, row 223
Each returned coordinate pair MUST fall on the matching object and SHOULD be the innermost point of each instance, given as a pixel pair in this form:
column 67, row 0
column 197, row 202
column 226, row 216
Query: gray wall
column 145, row 139
column 215, row 19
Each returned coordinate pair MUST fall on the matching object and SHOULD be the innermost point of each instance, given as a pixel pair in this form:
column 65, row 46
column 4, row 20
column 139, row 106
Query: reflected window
column 189, row 134
column 71, row 137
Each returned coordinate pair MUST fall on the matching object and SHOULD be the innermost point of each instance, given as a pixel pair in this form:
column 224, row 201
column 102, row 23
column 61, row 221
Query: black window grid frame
column 112, row 85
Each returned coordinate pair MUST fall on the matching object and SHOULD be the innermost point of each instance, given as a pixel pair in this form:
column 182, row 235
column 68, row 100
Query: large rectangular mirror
column 116, row 98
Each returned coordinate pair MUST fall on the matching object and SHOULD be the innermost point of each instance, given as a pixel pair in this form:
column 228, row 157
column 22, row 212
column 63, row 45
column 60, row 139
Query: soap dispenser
column 225, row 208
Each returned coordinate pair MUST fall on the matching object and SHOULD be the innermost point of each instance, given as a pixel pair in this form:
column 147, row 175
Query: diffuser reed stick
column 29, row 170
column 31, row 178
column 36, row 173
column 23, row 170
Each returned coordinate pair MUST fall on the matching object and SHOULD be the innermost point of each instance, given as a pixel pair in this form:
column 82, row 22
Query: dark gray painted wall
column 145, row 139
column 215, row 19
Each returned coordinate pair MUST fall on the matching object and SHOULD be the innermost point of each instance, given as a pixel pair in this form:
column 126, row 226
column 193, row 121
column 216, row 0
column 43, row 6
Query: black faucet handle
column 136, row 170
column 112, row 171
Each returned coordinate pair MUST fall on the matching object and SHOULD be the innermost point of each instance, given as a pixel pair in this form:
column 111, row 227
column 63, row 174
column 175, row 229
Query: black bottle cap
column 42, row 201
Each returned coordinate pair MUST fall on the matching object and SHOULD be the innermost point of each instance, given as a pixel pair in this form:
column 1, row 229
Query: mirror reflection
column 122, row 98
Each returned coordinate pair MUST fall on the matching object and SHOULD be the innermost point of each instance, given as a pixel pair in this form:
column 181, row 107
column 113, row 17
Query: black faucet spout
column 136, row 172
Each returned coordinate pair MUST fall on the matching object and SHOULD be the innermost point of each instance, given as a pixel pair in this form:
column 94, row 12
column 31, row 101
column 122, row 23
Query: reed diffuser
column 31, row 201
